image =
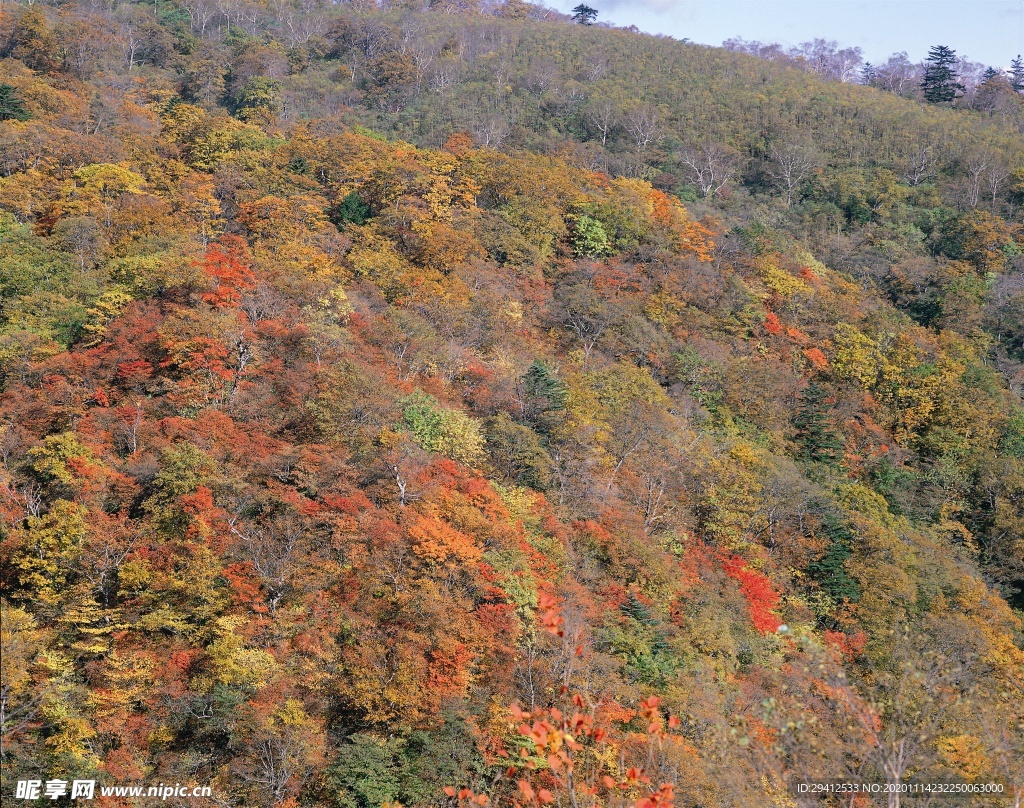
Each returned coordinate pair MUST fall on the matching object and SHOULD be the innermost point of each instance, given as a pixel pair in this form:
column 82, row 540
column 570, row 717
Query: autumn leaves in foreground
column 569, row 754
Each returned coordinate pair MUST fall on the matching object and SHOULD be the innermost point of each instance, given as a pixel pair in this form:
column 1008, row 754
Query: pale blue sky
column 989, row 31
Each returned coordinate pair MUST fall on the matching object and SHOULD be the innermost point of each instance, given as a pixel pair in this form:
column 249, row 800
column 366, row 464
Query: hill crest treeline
column 409, row 408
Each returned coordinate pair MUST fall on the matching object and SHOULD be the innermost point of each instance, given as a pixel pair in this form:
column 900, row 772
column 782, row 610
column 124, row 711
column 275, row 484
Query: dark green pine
column 1017, row 74
column 817, row 437
column 940, row 84
column 12, row 108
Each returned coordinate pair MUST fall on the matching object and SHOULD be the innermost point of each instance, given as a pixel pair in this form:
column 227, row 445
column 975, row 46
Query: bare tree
column 1007, row 751
column 104, row 554
column 790, row 164
column 130, row 44
column 920, row 165
column 587, row 313
column 644, row 123
column 490, row 130
column 272, row 547
column 251, row 18
column 444, row 76
column 424, row 51
column 201, row 13
column 903, row 705
column 762, row 50
column 126, row 430
column 826, row 58
column 898, row 75
column 821, row 56
column 603, row 115
column 300, row 22
column 975, row 166
column 971, row 74
column 597, row 66
column 230, row 9
column 502, row 70
column 998, row 173
column 83, row 236
column 542, row 76
column 711, row 166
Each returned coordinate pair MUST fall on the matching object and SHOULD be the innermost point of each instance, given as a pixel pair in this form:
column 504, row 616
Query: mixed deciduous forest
column 452, row 405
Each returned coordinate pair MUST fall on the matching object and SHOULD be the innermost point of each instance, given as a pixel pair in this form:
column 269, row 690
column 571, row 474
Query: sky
column 988, row 31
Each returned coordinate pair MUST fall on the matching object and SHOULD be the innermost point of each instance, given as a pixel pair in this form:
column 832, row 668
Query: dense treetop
column 425, row 406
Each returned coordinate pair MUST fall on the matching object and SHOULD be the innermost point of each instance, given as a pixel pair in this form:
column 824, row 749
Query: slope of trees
column 431, row 409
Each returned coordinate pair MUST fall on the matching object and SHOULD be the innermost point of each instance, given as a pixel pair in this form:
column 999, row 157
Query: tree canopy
column 454, row 405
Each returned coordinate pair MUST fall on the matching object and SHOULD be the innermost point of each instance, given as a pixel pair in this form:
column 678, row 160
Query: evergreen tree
column 544, row 397
column 542, row 386
column 1017, row 74
column 830, row 570
column 633, row 607
column 351, row 209
column 868, row 74
column 12, row 108
column 940, row 84
column 990, row 74
column 584, row 15
column 815, row 433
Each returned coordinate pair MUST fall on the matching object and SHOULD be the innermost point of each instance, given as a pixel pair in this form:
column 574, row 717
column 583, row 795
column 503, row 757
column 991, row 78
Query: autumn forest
column 447, row 405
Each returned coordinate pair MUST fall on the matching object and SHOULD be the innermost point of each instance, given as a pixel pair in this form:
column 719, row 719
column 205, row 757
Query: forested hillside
column 434, row 407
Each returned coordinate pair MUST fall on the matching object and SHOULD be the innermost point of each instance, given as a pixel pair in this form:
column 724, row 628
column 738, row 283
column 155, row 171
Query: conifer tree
column 544, row 397
column 584, row 14
column 12, row 108
column 940, row 84
column 815, row 433
column 352, row 209
column 1017, row 74
column 829, row 570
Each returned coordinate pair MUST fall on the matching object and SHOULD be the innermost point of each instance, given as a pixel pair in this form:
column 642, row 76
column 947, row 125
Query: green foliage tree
column 639, row 639
column 544, row 397
column 830, row 569
column 351, row 210
column 816, row 435
column 210, row 395
column 447, row 432
column 259, row 93
column 12, row 108
column 516, row 453
column 1012, row 441
column 1017, row 74
column 584, row 14
column 940, row 84
column 370, row 772
column 589, row 238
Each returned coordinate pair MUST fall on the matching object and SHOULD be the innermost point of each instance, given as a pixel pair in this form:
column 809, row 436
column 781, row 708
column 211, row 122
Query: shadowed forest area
column 461, row 405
